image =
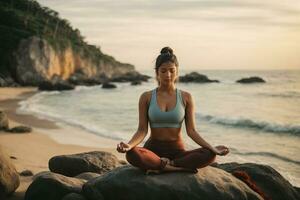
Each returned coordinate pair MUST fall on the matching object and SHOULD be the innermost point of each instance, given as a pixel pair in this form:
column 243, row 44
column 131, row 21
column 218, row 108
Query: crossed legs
column 145, row 159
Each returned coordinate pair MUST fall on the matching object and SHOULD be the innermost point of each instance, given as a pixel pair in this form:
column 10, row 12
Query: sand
column 48, row 138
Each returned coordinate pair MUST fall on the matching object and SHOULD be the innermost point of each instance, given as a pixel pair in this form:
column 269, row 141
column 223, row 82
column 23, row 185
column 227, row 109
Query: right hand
column 123, row 147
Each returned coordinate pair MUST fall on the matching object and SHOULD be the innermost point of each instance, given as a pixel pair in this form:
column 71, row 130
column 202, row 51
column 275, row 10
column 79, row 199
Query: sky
column 204, row 34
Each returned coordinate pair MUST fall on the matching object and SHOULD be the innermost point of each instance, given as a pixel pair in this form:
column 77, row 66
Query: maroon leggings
column 148, row 157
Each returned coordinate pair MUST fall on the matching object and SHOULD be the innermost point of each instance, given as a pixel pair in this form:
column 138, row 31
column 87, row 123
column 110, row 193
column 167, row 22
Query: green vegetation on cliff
column 20, row 19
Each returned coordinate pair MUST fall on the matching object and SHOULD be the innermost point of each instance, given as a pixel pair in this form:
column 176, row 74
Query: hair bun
column 166, row 50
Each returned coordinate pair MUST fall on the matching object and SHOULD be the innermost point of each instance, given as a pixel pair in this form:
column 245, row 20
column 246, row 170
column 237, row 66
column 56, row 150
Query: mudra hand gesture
column 123, row 147
column 221, row 150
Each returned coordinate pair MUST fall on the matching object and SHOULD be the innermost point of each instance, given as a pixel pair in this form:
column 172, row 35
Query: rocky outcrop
column 253, row 79
column 266, row 178
column 195, row 77
column 131, row 183
column 72, row 165
column 9, row 178
column 56, row 83
column 37, row 61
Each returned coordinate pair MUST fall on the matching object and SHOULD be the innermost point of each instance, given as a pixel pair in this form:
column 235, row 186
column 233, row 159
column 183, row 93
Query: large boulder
column 253, row 79
column 9, row 178
column 266, row 178
column 4, row 125
column 196, row 78
column 52, row 186
column 72, row 165
column 131, row 183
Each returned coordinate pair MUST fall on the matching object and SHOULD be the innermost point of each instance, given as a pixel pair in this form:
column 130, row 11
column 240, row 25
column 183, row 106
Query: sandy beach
column 33, row 150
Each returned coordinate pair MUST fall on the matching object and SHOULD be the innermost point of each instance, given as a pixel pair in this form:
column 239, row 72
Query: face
column 167, row 73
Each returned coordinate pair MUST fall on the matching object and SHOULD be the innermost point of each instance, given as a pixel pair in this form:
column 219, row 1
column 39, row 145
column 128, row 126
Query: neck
column 167, row 88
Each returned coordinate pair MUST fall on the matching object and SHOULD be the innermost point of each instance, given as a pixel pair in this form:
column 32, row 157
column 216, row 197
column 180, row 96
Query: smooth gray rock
column 52, row 186
column 9, row 178
column 266, row 178
column 75, row 164
column 131, row 183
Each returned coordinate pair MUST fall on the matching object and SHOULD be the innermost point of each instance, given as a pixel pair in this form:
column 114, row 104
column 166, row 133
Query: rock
column 253, row 79
column 9, row 178
column 128, row 182
column 87, row 176
column 13, row 157
column 130, row 77
column 7, row 81
column 79, row 78
column 55, row 85
column 196, row 78
column 266, row 178
column 35, row 60
column 108, row 85
column 20, row 129
column 136, row 83
column 74, row 196
column 72, row 165
column 52, row 186
column 3, row 121
column 26, row 173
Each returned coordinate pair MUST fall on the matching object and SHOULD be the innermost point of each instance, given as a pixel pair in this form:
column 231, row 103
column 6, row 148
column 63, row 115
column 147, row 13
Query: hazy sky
column 211, row 34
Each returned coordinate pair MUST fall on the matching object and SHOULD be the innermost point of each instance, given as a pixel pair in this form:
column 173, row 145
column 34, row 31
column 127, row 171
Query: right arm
column 142, row 130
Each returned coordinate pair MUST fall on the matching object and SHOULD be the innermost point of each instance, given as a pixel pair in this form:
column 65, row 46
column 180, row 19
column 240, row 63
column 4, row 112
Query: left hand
column 221, row 150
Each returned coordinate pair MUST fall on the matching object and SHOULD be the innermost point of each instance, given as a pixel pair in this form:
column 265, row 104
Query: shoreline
column 33, row 150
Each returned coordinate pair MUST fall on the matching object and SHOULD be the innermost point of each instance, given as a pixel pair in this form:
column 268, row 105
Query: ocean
column 260, row 123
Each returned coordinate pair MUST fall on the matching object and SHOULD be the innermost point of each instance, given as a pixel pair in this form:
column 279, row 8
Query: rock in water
column 195, row 77
column 131, row 183
column 253, row 79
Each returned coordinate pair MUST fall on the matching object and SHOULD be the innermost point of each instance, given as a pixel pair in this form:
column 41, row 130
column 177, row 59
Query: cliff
column 37, row 44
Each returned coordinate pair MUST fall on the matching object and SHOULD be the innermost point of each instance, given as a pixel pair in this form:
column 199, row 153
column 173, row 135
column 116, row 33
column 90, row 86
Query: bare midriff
column 166, row 134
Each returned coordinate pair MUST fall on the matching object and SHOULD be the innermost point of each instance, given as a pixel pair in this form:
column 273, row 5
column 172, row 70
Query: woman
column 165, row 108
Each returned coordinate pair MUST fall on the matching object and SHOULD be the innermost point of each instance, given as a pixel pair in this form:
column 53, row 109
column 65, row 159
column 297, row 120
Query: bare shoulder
column 186, row 97
column 146, row 96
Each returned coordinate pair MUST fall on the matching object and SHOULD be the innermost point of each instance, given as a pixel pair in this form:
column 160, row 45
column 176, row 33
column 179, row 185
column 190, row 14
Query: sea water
column 259, row 122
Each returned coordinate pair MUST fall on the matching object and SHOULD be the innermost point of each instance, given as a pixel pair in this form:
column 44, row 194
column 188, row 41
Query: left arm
column 190, row 124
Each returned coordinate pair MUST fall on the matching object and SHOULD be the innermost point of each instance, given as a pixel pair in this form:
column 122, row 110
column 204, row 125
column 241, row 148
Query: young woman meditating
column 165, row 108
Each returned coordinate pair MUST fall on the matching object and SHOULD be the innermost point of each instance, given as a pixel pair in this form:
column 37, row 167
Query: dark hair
column 166, row 55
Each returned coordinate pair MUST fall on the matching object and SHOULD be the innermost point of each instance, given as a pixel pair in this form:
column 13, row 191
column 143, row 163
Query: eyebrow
column 167, row 67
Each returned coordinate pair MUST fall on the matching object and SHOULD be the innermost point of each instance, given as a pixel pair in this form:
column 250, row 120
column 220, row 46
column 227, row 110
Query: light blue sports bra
column 172, row 118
